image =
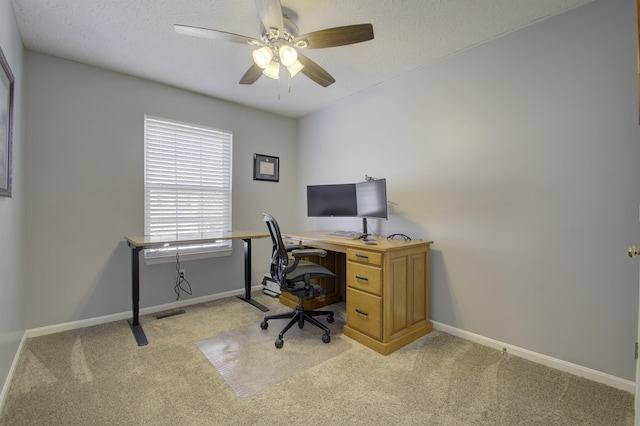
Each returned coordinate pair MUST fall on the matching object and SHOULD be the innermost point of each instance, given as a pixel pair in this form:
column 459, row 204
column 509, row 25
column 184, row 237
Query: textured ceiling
column 137, row 38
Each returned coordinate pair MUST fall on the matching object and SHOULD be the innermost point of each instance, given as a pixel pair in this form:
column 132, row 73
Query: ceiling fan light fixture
column 272, row 70
column 295, row 68
column 280, row 40
column 288, row 55
column 262, row 57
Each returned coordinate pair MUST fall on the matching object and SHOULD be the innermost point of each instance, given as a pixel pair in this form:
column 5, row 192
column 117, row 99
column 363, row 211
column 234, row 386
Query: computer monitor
column 371, row 198
column 332, row 200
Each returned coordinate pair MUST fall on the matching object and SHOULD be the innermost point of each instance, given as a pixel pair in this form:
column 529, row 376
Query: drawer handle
column 362, row 278
column 363, row 313
column 363, row 256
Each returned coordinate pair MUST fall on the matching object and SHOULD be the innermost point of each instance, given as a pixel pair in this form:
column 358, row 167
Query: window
column 187, row 184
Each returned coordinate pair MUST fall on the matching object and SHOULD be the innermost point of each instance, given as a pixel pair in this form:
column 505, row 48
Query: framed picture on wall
column 6, row 125
column 266, row 167
column 638, row 47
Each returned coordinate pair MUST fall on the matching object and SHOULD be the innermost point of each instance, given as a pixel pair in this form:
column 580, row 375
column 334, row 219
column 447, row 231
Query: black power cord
column 180, row 280
column 403, row 236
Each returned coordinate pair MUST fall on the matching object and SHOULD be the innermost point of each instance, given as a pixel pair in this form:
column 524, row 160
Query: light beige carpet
column 240, row 355
column 99, row 376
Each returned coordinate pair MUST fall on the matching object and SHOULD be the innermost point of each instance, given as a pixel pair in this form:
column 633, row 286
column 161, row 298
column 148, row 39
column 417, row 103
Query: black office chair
column 295, row 278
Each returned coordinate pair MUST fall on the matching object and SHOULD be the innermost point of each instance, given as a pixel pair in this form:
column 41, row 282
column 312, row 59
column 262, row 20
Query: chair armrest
column 300, row 253
column 290, row 247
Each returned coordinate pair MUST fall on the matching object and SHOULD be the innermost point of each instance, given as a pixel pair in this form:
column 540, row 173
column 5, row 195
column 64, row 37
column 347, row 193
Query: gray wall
column 12, row 314
column 519, row 158
column 84, row 188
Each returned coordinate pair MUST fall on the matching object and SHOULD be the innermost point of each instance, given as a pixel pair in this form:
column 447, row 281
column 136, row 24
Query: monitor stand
column 364, row 228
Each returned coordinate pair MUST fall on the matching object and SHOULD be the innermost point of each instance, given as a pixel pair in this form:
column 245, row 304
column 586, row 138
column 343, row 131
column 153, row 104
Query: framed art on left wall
column 6, row 125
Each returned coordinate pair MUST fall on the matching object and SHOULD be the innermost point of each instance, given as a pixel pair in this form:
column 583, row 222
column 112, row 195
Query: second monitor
column 371, row 201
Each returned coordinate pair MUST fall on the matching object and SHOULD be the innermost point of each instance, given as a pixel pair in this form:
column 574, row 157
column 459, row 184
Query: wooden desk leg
column 136, row 328
column 247, row 277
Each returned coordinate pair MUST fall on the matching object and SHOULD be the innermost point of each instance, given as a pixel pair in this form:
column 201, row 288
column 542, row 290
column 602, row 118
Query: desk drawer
column 364, row 312
column 364, row 256
column 364, row 277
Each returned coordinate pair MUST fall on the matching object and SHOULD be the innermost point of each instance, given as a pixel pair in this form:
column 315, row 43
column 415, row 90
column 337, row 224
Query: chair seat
column 295, row 282
column 313, row 269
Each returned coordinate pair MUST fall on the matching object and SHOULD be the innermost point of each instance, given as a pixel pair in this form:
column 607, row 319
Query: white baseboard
column 42, row 331
column 558, row 364
column 14, row 364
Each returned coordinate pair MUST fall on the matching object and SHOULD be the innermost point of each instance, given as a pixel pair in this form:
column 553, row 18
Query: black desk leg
column 247, row 277
column 136, row 328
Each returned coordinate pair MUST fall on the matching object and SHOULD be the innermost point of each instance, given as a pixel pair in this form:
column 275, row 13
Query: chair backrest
column 279, row 257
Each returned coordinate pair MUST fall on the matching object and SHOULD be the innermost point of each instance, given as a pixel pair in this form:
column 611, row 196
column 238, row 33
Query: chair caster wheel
column 330, row 319
column 264, row 325
column 279, row 343
column 326, row 338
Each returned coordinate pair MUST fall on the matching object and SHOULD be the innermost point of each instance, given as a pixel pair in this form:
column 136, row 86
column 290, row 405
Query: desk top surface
column 151, row 241
column 325, row 238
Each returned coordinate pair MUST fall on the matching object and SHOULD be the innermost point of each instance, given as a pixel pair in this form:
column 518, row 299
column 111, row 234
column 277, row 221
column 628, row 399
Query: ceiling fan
column 280, row 44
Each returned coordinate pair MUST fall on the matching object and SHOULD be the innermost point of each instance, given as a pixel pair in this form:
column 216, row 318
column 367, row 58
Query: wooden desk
column 139, row 243
column 387, row 288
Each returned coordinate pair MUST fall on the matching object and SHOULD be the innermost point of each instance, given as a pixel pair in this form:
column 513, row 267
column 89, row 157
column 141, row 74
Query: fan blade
column 332, row 37
column 215, row 35
column 315, row 72
column 252, row 75
column 270, row 12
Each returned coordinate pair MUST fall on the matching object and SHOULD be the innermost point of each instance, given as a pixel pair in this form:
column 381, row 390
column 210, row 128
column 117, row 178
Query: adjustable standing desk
column 139, row 243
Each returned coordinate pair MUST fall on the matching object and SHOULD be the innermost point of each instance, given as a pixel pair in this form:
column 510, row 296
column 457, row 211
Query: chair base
column 300, row 316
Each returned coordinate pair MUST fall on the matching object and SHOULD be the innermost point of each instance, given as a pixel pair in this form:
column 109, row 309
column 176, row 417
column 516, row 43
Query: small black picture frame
column 6, row 125
column 266, row 167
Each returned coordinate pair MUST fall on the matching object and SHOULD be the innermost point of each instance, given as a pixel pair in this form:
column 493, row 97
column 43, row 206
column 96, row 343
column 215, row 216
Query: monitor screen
column 371, row 197
column 332, row 200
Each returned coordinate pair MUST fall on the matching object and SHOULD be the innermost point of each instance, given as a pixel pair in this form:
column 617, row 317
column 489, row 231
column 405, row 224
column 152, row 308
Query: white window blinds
column 187, row 184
